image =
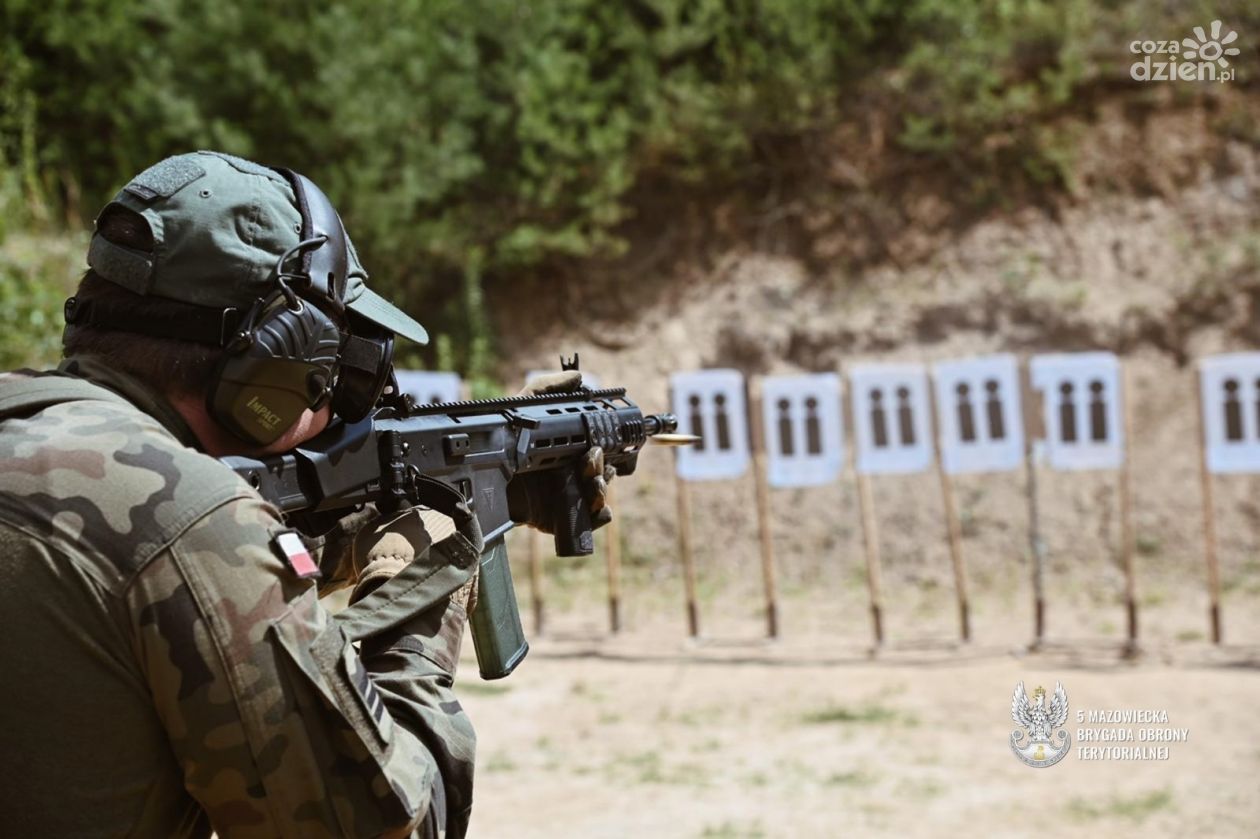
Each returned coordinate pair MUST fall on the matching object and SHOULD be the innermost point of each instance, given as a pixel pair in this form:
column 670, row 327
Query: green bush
column 465, row 142
column 37, row 273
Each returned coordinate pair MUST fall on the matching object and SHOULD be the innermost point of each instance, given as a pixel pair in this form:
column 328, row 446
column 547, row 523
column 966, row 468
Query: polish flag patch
column 293, row 550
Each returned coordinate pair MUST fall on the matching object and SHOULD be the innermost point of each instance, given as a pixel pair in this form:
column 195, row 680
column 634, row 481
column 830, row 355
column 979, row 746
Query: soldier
column 167, row 667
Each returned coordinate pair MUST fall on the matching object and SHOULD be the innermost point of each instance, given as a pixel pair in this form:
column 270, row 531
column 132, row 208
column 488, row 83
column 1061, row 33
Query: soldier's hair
column 182, row 367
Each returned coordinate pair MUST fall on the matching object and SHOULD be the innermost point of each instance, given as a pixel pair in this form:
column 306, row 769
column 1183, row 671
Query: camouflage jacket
column 163, row 672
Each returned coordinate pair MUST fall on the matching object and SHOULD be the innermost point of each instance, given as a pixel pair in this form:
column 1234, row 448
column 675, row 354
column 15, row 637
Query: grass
column 921, row 790
column 857, row 779
column 871, row 714
column 483, row 688
column 1134, row 808
column 648, row 767
column 500, row 762
column 733, row 830
column 691, row 717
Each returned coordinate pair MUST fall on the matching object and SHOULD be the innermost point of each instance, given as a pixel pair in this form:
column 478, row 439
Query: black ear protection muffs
column 289, row 354
column 297, row 348
column 283, row 361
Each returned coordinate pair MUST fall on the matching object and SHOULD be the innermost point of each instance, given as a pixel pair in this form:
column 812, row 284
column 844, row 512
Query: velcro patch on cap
column 249, row 167
column 165, row 178
column 289, row 545
column 128, row 268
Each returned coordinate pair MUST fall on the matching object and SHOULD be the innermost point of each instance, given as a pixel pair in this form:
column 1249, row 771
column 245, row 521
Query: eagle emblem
column 1040, row 741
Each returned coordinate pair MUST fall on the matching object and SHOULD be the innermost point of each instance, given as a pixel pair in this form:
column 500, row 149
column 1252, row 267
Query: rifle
column 474, row 448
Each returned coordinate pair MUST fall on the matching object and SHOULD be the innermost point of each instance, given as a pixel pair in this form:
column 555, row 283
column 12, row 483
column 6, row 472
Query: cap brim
column 380, row 311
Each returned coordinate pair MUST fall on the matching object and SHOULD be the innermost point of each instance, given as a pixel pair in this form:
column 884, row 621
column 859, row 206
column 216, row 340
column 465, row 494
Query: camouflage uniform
column 165, row 672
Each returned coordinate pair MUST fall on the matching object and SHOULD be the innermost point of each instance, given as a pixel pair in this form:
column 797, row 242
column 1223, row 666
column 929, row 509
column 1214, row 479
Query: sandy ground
column 648, row 735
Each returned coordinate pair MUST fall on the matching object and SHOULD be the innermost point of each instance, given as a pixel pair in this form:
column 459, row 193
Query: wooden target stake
column 870, row 537
column 953, row 531
column 535, row 579
column 870, row 527
column 612, row 557
column 764, row 530
column 684, row 551
column 1126, row 511
column 1209, row 522
column 1037, row 546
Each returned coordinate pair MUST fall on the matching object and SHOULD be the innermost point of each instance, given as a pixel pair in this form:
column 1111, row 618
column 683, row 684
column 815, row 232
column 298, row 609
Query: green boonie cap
column 219, row 224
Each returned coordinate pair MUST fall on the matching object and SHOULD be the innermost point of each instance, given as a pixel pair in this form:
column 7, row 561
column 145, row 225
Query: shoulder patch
column 289, row 546
column 165, row 178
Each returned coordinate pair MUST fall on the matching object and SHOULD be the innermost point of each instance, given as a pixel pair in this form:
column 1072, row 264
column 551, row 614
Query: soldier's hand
column 385, row 546
column 533, row 497
column 599, row 474
column 330, row 537
column 388, row 544
column 563, row 381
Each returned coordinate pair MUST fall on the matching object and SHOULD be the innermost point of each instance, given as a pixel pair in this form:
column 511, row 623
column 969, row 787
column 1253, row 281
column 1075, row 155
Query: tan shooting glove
column 564, row 381
column 330, row 538
column 384, row 547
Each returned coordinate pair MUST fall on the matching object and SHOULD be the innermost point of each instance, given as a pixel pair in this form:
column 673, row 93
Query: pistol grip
column 574, row 536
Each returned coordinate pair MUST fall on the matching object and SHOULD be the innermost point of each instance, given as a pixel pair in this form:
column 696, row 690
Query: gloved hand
column 563, row 381
column 330, row 539
column 385, row 546
column 427, row 612
column 364, row 549
column 532, row 498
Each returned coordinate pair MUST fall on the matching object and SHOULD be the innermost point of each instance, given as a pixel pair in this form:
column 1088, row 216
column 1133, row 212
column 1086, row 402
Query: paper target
column 890, row 416
column 710, row 404
column 1231, row 411
column 804, row 436
column 429, row 387
column 1082, row 409
column 978, row 411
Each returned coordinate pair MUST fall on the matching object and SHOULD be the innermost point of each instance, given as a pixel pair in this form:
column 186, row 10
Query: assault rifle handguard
column 476, row 448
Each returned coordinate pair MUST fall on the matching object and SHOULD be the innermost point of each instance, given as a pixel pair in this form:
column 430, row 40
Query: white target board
column 429, row 386
column 710, row 404
column 978, row 411
column 1230, row 387
column 1082, row 408
column 804, row 437
column 890, row 418
column 589, row 380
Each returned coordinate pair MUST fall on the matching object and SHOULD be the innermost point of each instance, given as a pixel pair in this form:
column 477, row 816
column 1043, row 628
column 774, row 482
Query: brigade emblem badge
column 1041, row 740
